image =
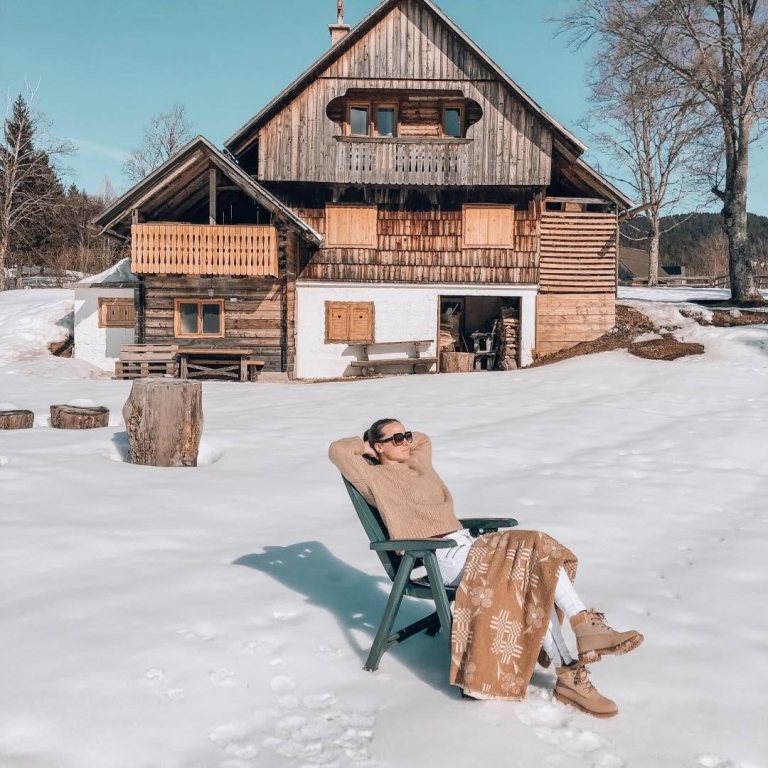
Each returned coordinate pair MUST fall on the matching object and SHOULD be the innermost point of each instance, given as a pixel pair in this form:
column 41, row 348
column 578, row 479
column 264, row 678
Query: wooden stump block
column 457, row 362
column 164, row 422
column 16, row 419
column 79, row 416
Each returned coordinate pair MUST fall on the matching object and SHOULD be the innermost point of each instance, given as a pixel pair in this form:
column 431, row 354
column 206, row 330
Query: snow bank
column 29, row 322
column 117, row 273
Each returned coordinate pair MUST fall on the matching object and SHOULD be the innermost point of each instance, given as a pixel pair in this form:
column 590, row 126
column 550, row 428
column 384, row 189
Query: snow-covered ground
column 219, row 617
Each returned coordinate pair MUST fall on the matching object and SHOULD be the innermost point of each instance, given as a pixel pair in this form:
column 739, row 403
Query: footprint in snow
column 222, row 677
column 4, row 461
column 175, row 694
column 155, row 677
column 262, row 647
column 557, row 724
column 282, row 684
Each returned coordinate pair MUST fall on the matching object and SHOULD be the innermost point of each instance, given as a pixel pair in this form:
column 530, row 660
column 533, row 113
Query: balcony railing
column 424, row 162
column 186, row 249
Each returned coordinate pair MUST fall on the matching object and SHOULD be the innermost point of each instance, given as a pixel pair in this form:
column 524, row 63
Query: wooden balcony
column 186, row 249
column 422, row 162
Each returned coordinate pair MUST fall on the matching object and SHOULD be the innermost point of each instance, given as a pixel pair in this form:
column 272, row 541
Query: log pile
column 509, row 340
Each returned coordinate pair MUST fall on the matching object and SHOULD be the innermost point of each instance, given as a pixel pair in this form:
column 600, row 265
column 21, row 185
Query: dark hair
column 373, row 434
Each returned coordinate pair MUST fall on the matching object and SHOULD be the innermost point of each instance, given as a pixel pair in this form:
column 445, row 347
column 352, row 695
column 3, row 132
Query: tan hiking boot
column 594, row 638
column 574, row 689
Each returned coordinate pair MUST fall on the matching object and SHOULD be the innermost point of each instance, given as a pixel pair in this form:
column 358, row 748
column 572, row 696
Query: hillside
column 696, row 241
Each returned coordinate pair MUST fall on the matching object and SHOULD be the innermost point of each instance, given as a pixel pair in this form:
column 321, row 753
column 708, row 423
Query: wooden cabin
column 402, row 196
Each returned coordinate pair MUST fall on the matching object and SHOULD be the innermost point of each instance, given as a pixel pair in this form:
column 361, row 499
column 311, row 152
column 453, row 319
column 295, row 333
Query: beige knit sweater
column 412, row 499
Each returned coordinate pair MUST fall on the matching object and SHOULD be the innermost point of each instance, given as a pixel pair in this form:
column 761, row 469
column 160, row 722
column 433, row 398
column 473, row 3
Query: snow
column 117, row 273
column 29, row 322
column 219, row 617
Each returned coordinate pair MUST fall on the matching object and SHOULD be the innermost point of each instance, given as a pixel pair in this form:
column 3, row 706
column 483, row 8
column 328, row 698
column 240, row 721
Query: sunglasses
column 399, row 438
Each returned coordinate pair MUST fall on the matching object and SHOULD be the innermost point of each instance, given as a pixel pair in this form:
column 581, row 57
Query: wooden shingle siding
column 578, row 252
column 427, row 247
column 408, row 49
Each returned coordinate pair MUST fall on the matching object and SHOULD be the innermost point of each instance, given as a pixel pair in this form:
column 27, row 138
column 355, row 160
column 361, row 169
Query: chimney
column 339, row 30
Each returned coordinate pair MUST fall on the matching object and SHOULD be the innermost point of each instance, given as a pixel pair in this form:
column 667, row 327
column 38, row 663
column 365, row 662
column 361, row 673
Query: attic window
column 358, row 120
column 452, row 122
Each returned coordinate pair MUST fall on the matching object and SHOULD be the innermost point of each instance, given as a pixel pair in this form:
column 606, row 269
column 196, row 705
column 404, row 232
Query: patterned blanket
column 502, row 611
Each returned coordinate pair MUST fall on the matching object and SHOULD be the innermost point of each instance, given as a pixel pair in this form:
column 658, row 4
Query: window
column 358, row 120
column 349, row 322
column 199, row 318
column 488, row 226
column 386, row 121
column 116, row 313
column 351, row 226
column 452, row 122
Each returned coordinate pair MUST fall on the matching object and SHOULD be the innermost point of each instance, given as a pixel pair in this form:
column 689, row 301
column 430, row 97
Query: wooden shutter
column 488, row 226
column 351, row 226
column 116, row 313
column 361, row 322
column 347, row 322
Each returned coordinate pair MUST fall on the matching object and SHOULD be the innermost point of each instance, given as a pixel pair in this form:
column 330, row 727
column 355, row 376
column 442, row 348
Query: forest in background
column 696, row 241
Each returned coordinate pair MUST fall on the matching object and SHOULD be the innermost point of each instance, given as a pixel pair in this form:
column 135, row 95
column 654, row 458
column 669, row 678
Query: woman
column 392, row 469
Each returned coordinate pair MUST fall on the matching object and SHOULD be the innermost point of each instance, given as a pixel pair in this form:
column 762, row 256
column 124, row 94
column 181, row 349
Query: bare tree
column 165, row 135
column 30, row 191
column 649, row 130
column 717, row 49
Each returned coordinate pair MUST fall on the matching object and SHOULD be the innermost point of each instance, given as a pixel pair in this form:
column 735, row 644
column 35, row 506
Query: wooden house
column 403, row 193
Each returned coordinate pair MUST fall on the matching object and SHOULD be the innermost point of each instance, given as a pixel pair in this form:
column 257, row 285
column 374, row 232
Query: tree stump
column 17, row 419
column 164, row 422
column 79, row 416
column 457, row 362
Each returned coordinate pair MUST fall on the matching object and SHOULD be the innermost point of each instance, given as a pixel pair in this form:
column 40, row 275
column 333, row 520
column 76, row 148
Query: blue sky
column 105, row 67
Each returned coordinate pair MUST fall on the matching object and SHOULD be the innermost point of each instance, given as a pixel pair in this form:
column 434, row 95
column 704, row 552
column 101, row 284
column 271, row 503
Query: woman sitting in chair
column 392, row 468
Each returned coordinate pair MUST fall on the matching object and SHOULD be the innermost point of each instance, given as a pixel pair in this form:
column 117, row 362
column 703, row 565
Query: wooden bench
column 229, row 363
column 138, row 361
column 368, row 367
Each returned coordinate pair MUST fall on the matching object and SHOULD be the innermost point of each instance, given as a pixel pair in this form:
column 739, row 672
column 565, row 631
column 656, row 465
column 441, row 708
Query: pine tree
column 30, row 190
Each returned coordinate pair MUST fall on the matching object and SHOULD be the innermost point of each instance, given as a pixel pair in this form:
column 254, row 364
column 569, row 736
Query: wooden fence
column 185, row 249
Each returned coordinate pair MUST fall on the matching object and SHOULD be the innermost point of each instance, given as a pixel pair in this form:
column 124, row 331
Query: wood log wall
column 408, row 49
column 255, row 321
column 426, row 246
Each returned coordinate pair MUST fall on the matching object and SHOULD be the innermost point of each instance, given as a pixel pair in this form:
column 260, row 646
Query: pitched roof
column 193, row 158
column 236, row 142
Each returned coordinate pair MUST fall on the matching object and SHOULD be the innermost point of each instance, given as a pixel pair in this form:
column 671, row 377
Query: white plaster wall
column 99, row 346
column 403, row 312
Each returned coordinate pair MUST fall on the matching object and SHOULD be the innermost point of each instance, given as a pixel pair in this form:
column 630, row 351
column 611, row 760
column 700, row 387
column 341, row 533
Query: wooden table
column 231, row 363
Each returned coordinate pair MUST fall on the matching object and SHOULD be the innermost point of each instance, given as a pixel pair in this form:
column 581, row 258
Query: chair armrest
column 490, row 524
column 412, row 545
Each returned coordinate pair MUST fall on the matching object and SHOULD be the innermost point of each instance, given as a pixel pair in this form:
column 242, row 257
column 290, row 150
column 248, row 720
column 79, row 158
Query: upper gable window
column 453, row 122
column 358, row 120
column 386, row 120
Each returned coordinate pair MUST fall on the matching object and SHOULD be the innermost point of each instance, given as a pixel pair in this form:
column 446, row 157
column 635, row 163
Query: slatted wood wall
column 577, row 300
column 409, row 48
column 185, row 249
column 426, row 246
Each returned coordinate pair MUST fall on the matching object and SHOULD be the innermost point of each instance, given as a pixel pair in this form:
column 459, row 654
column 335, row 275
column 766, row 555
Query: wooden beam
column 212, row 174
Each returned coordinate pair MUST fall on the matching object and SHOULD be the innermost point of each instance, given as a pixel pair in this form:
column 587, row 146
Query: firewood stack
column 509, row 339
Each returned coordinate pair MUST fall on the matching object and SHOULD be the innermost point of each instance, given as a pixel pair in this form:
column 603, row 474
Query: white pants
column 451, row 562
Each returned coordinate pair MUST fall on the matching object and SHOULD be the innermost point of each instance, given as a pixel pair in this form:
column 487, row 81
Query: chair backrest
column 374, row 527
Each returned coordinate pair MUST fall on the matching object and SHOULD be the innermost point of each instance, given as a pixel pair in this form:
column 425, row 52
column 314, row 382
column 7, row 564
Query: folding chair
column 399, row 568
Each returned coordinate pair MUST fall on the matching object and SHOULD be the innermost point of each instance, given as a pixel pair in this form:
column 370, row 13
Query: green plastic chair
column 399, row 568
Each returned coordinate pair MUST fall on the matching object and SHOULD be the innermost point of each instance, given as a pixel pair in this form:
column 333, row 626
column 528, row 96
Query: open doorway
column 483, row 330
